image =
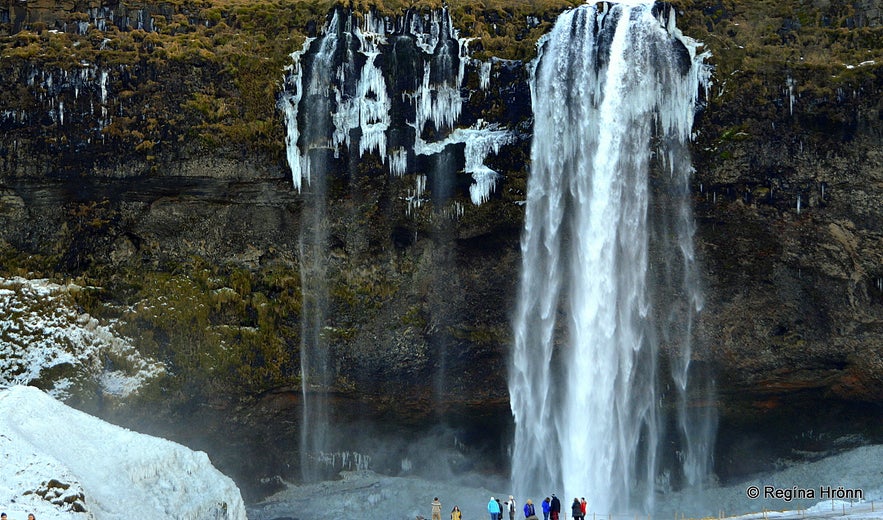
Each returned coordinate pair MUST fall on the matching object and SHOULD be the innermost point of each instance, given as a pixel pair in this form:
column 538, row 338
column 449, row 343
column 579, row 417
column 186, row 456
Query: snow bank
column 62, row 464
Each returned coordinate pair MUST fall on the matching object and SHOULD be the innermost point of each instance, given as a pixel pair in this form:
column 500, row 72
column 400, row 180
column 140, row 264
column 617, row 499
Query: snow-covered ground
column 860, row 469
column 43, row 330
column 370, row 496
column 62, row 464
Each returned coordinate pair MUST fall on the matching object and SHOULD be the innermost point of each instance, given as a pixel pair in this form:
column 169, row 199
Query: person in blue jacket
column 546, row 508
column 493, row 507
column 529, row 511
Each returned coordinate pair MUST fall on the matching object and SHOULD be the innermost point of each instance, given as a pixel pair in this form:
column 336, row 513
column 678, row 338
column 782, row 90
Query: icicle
column 398, row 162
column 372, row 96
column 289, row 103
column 485, row 75
column 414, row 197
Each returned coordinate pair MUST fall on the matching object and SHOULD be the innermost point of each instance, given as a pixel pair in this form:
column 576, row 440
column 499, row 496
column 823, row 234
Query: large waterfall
column 608, row 276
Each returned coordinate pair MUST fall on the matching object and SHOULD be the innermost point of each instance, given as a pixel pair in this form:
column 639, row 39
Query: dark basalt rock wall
column 145, row 144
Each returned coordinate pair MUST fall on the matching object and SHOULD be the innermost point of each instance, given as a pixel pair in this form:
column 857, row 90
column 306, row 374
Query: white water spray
column 608, row 84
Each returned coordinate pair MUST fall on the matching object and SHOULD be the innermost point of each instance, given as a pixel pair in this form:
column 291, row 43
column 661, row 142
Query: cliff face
column 143, row 151
column 787, row 200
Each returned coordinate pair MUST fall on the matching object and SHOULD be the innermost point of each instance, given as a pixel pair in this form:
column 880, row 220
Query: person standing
column 546, row 508
column 529, row 511
column 436, row 509
column 456, row 514
column 554, row 507
column 511, row 507
column 584, row 505
column 493, row 507
column 576, row 509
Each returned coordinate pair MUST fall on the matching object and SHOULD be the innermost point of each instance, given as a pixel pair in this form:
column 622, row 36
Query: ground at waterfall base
column 834, row 509
column 369, row 496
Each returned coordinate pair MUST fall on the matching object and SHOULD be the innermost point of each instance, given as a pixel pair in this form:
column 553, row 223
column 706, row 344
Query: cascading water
column 391, row 88
column 610, row 82
column 312, row 249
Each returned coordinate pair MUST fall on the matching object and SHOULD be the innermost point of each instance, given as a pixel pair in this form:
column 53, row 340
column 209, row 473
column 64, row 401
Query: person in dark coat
column 576, row 509
column 554, row 507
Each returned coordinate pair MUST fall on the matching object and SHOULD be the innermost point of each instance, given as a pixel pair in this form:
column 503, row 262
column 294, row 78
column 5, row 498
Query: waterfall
column 391, row 88
column 607, row 284
column 314, row 156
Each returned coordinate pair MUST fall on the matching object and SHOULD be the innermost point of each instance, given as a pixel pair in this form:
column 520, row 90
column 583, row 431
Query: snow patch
column 43, row 330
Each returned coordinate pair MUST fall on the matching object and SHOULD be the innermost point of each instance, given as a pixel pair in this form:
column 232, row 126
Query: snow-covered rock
column 63, row 464
column 42, row 329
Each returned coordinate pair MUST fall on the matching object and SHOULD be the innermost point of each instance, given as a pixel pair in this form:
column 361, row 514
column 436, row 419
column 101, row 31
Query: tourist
column 554, row 507
column 529, row 511
column 493, row 507
column 546, row 508
column 576, row 509
column 436, row 509
column 511, row 507
column 584, row 505
column 456, row 514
